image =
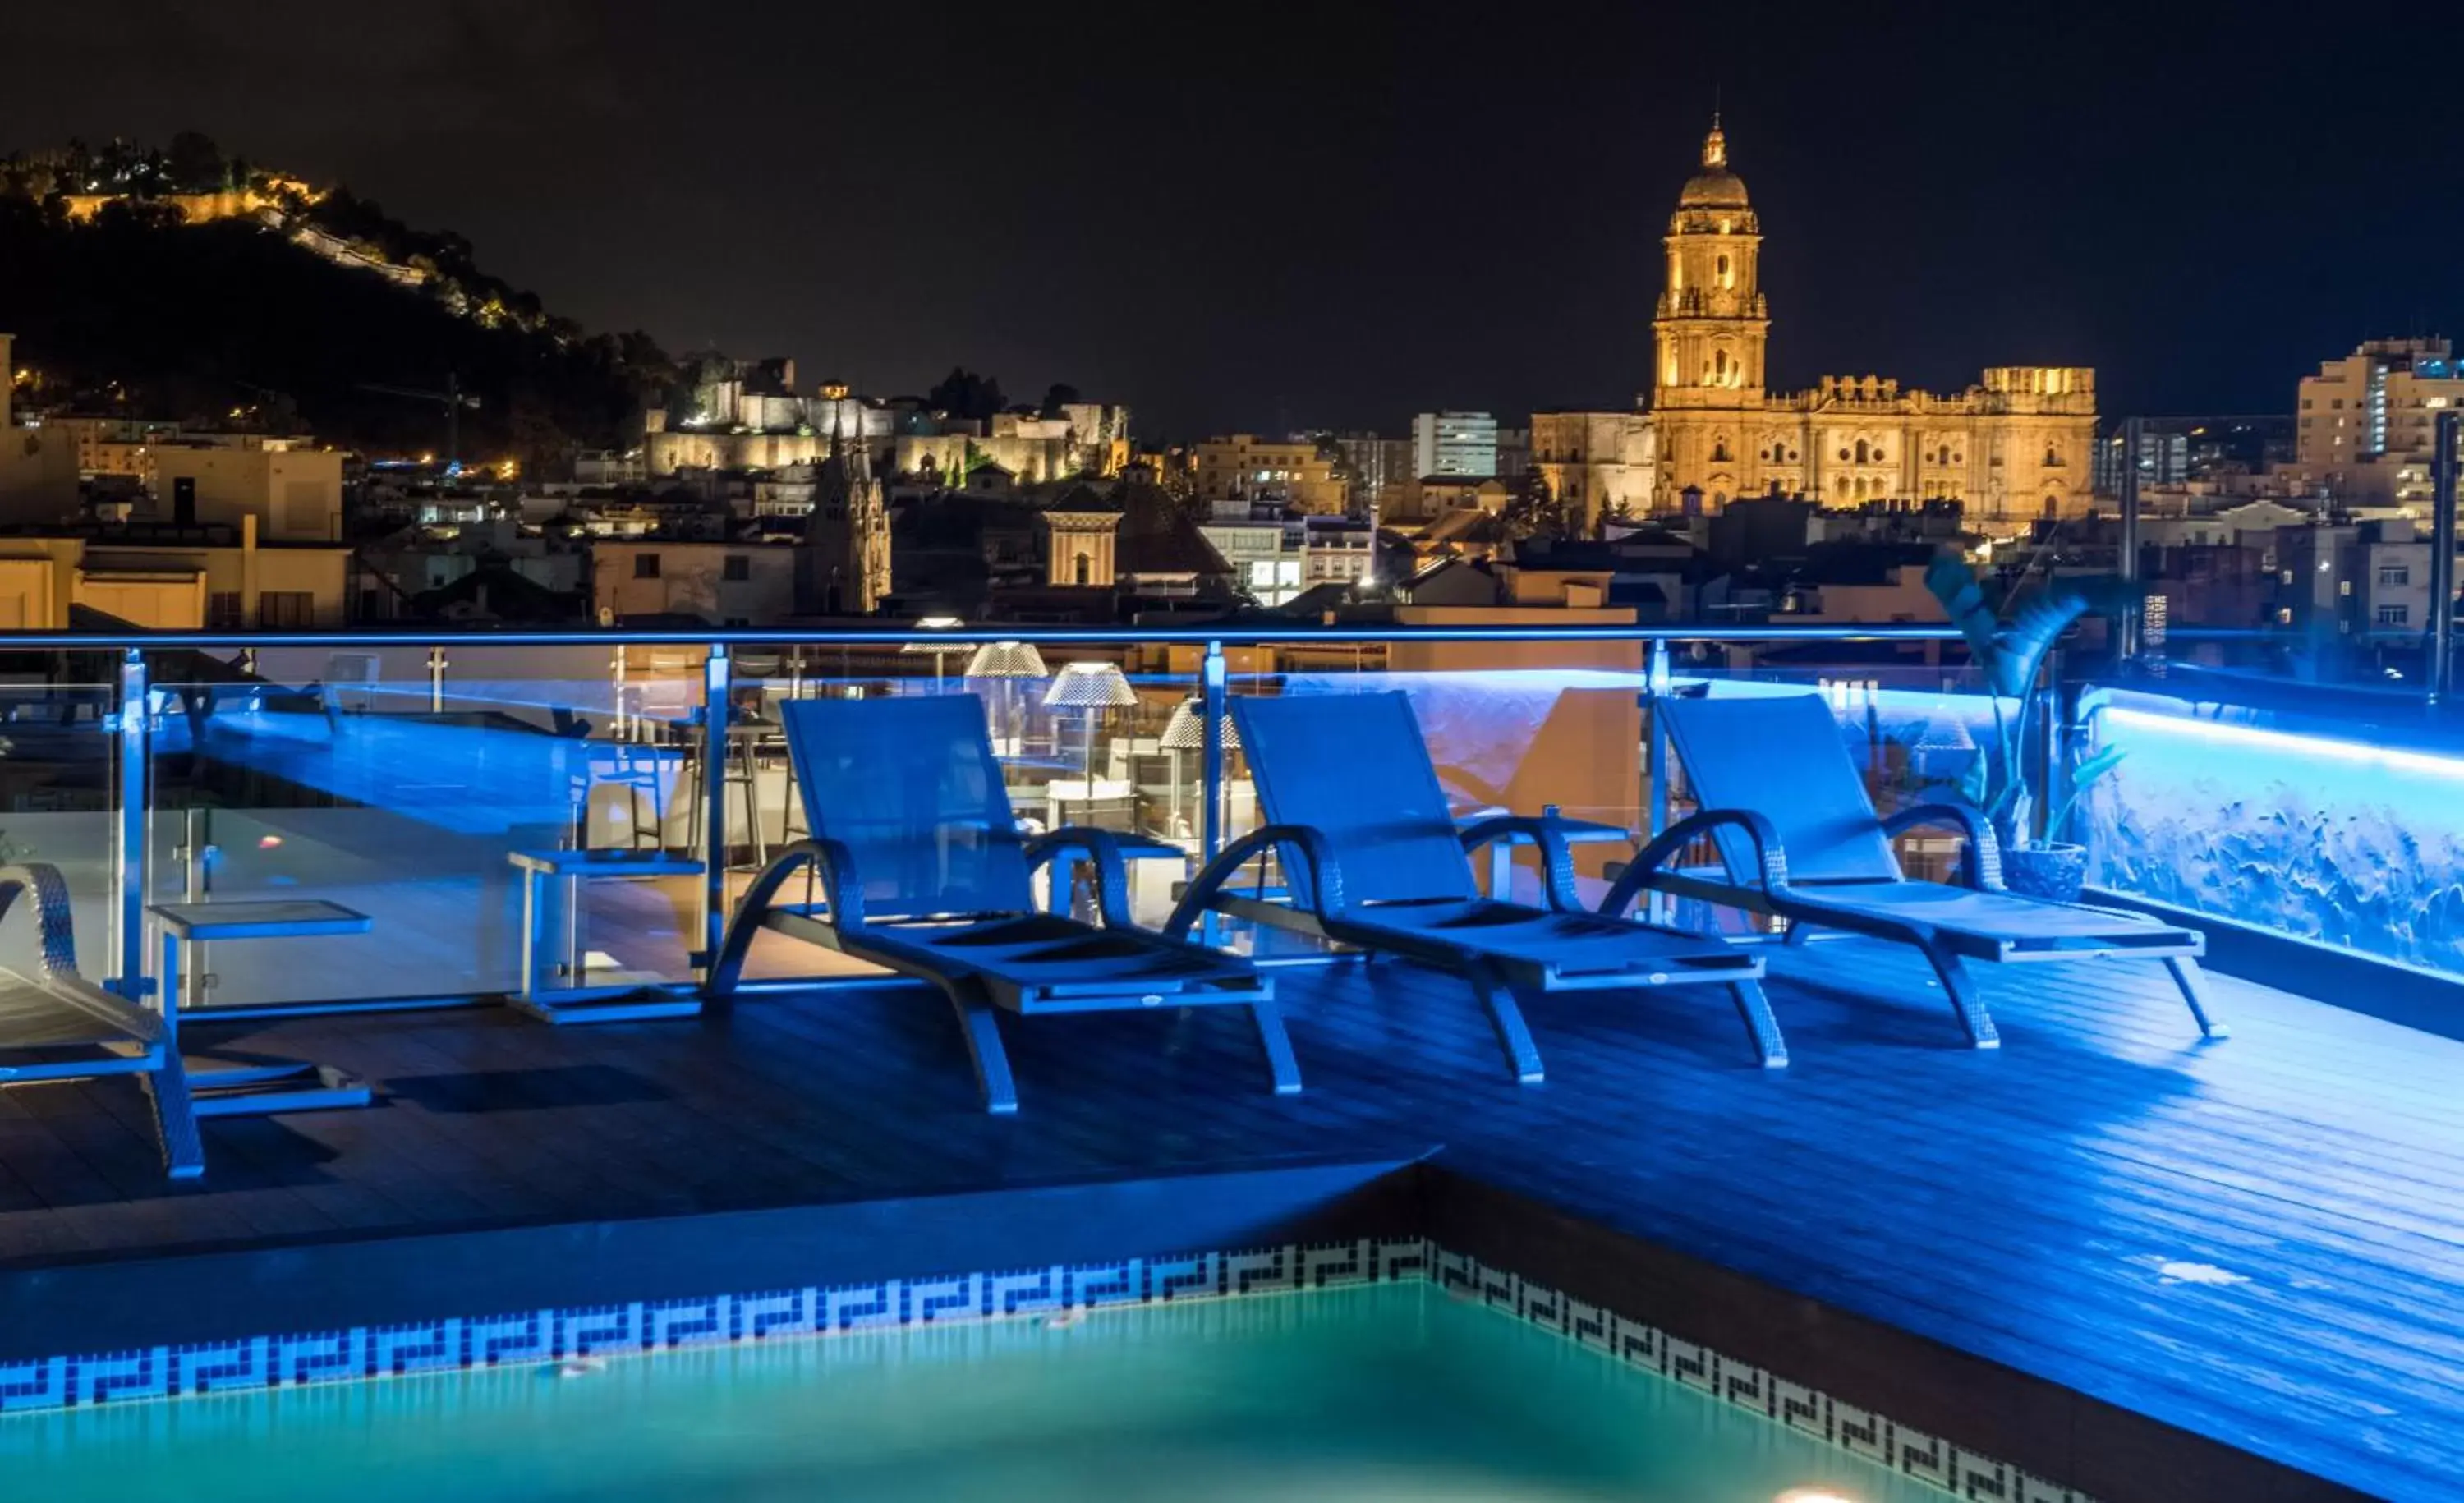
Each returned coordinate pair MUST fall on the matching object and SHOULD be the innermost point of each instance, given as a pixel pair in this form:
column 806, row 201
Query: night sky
column 1339, row 216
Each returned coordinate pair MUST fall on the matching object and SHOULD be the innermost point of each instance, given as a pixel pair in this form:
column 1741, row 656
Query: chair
column 56, row 1024
column 1372, row 858
column 1799, row 840
column 923, row 870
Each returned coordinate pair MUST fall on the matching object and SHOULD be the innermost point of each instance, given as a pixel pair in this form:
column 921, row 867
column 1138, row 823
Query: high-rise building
column 2013, row 448
column 1454, row 443
column 2367, row 422
column 2164, row 459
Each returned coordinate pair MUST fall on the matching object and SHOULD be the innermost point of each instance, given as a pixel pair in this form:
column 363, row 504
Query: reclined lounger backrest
column 911, row 786
column 1355, row 766
column 1781, row 756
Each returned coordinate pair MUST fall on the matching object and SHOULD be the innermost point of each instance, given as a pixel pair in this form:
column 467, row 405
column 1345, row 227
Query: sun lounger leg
column 978, row 1022
column 1798, row 931
column 1521, row 1055
column 175, row 1118
column 1764, row 1028
column 2193, row 982
column 1961, row 988
column 1278, row 1045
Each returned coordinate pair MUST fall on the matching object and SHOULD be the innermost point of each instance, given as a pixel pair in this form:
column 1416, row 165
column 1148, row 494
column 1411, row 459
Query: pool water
column 1388, row 1392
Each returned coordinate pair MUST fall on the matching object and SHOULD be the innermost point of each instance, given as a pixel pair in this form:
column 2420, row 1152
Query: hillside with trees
column 187, row 284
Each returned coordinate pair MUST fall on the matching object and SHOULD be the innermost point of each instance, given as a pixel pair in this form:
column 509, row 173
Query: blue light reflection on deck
column 2319, row 835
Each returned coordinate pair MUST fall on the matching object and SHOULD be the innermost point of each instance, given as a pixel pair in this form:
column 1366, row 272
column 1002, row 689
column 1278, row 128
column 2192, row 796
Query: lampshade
column 1007, row 660
column 1945, row 734
column 1186, row 730
column 1090, row 686
column 937, row 624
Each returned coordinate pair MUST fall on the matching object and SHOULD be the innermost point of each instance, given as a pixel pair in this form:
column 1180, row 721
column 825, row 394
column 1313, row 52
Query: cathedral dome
column 1715, row 186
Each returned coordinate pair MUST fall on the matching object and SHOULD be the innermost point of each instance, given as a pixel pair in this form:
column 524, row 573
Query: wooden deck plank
column 2022, row 1204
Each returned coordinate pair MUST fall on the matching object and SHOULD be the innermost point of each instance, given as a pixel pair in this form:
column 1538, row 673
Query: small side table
column 1061, row 877
column 1501, row 851
column 255, row 1087
column 551, row 926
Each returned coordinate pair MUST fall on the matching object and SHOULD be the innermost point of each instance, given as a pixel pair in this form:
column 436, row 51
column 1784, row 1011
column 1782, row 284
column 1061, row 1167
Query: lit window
column 2394, row 615
column 2284, row 616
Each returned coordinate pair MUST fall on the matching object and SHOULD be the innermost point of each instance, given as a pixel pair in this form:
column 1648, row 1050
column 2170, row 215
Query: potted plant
column 2008, row 651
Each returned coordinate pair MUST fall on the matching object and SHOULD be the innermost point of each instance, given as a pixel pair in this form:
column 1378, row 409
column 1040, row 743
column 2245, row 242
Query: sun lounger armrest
column 1548, row 832
column 41, row 884
column 1980, row 864
column 1770, row 858
column 842, row 885
column 1316, row 852
column 1111, row 874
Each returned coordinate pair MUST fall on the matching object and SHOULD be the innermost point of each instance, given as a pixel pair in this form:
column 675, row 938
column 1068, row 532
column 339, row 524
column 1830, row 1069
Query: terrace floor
column 2260, row 1240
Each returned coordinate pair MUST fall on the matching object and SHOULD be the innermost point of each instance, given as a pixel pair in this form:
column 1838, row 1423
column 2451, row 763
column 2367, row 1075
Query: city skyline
column 1265, row 227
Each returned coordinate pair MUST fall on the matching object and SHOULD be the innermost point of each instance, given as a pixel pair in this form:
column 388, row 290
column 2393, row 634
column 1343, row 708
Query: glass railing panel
column 2320, row 823
column 59, row 793
column 1913, row 717
column 403, row 784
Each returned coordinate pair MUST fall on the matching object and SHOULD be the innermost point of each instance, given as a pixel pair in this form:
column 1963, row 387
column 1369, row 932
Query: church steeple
column 1712, row 321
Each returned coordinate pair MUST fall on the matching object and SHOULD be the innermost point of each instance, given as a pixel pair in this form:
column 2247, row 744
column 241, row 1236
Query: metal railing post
column 128, row 857
column 1655, row 680
column 2129, row 561
column 2442, row 553
column 714, row 796
column 1210, row 728
column 436, row 680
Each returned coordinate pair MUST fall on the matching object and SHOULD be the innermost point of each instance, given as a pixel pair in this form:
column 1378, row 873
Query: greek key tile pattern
column 547, row 1335
column 1860, row 1432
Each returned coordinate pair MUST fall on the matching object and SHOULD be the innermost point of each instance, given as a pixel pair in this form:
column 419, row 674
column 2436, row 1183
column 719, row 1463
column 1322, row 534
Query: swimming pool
column 1383, row 1392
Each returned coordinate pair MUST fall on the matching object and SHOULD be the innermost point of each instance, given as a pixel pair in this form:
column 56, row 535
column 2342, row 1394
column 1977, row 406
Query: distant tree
column 1056, row 396
column 962, row 393
column 194, row 163
column 1533, row 509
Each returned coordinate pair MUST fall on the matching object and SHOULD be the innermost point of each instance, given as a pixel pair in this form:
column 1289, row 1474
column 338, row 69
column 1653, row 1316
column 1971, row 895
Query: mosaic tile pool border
column 556, row 1334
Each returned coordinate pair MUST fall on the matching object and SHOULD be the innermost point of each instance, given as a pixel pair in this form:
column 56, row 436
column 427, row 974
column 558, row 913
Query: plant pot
column 2055, row 871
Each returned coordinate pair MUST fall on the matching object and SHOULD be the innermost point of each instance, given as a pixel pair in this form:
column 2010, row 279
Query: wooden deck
column 2259, row 1240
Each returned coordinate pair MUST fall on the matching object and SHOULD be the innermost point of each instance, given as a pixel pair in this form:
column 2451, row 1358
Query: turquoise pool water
column 1387, row 1393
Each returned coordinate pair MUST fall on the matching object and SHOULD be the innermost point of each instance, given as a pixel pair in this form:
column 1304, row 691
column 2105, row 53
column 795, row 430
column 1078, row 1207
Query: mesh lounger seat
column 1372, row 858
column 923, row 871
column 1798, row 839
column 56, row 1024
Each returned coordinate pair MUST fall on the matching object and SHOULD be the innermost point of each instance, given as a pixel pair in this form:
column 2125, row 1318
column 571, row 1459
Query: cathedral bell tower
column 1713, row 324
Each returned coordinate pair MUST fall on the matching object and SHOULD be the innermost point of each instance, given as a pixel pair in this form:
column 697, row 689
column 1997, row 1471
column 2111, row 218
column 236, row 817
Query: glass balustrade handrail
column 1242, row 635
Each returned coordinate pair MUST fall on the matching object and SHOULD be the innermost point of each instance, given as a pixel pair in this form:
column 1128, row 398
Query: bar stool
column 737, row 772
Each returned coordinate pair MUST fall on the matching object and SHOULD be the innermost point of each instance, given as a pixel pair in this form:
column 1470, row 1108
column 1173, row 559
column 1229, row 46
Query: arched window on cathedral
column 1719, row 365
column 1720, row 451
column 1863, row 453
column 1081, row 570
column 1839, row 485
column 1727, row 278
column 2053, row 457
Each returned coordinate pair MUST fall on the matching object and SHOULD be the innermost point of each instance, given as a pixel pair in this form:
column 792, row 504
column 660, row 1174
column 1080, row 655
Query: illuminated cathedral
column 2013, row 447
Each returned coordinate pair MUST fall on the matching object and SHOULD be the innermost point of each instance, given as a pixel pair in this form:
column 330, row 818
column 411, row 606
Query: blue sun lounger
column 1798, row 839
column 923, row 871
column 1372, row 858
